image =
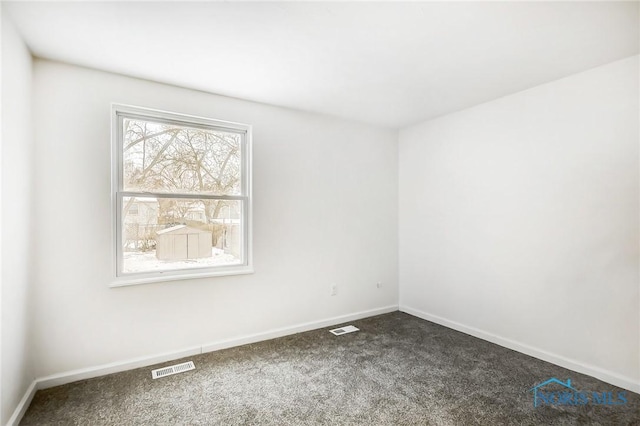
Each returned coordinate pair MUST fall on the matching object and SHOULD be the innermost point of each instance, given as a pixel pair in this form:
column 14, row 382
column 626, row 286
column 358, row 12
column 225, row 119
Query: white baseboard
column 285, row 331
column 24, row 403
column 116, row 367
column 597, row 372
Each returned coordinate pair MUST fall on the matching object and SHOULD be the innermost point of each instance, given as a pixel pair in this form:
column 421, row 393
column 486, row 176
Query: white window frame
column 118, row 113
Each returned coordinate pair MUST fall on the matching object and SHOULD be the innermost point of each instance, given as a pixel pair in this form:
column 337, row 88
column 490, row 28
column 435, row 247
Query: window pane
column 160, row 157
column 168, row 233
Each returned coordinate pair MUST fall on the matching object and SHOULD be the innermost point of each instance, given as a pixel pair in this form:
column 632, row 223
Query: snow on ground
column 148, row 262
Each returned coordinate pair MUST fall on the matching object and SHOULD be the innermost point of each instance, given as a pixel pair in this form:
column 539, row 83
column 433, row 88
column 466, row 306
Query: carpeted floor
column 397, row 370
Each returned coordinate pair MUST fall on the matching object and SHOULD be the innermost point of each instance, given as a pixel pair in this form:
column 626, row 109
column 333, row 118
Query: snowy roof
column 182, row 229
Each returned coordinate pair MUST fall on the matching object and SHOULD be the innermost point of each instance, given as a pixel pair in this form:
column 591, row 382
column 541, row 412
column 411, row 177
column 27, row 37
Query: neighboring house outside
column 140, row 225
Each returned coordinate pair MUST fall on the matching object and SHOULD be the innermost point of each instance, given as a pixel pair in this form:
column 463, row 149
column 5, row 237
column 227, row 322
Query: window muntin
column 182, row 196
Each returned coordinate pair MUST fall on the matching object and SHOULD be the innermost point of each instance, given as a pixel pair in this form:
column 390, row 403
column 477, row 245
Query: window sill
column 178, row 275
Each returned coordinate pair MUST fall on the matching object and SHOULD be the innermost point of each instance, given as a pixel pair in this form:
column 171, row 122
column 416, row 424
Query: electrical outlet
column 334, row 290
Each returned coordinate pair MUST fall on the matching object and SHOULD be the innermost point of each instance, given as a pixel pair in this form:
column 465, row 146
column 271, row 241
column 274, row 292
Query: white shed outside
column 183, row 242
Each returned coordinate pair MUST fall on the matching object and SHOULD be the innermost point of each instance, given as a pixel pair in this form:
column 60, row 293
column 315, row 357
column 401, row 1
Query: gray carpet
column 397, row 370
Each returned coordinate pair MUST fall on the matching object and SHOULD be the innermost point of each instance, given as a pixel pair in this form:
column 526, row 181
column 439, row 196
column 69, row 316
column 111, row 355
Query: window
column 181, row 196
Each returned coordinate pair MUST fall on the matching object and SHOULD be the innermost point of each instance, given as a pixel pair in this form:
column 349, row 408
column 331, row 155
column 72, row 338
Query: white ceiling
column 389, row 64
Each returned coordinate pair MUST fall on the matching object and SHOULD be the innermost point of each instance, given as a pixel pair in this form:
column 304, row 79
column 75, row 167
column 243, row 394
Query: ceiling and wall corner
column 383, row 63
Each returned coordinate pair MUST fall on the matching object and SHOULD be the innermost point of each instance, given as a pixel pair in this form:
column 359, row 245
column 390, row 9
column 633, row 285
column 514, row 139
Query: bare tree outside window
column 181, row 195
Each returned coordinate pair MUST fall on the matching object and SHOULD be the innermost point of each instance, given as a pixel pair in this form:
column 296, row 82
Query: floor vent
column 344, row 330
column 172, row 369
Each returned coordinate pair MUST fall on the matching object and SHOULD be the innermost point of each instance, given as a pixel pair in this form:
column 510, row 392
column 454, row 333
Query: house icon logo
column 537, row 389
column 568, row 395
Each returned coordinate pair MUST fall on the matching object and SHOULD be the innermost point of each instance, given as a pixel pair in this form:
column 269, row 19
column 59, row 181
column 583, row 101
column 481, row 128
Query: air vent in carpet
column 344, row 330
column 172, row 369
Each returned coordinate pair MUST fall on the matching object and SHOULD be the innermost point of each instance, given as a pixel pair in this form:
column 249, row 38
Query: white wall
column 519, row 220
column 325, row 211
column 17, row 152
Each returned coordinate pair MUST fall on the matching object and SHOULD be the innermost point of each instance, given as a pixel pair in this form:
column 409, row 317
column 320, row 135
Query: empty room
column 320, row 213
